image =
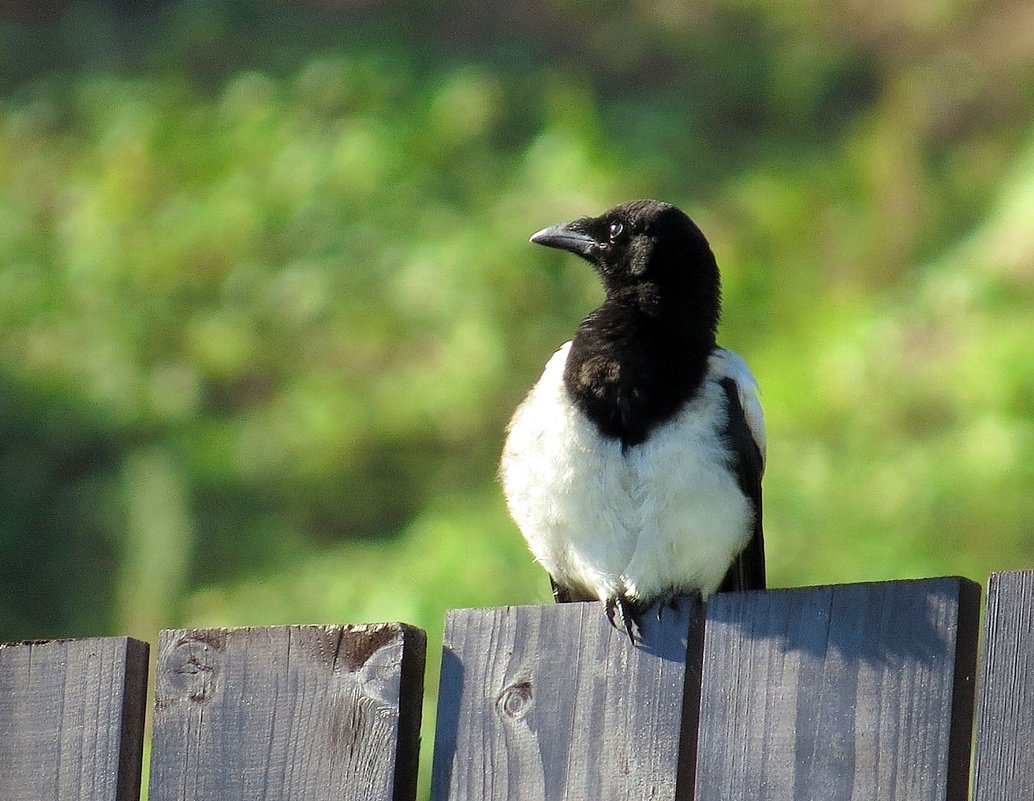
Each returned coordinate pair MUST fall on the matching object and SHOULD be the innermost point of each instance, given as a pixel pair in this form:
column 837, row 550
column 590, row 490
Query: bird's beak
column 565, row 237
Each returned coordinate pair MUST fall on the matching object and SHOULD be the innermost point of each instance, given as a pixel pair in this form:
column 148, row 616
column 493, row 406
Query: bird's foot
column 667, row 600
column 671, row 599
column 621, row 613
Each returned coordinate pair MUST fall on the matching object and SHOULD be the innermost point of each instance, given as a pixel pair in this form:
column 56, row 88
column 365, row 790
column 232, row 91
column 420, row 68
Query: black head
column 643, row 241
column 651, row 252
column 637, row 358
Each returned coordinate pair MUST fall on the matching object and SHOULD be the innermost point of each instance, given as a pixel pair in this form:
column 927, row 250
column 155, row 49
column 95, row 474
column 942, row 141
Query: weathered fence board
column 307, row 713
column 72, row 719
column 842, row 693
column 1004, row 765
column 839, row 693
column 552, row 702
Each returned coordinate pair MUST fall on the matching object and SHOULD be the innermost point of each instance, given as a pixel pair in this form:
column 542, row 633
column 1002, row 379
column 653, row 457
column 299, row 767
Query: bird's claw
column 623, row 610
column 668, row 600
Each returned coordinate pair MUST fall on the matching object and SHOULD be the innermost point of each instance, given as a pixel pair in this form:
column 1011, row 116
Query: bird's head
column 649, row 246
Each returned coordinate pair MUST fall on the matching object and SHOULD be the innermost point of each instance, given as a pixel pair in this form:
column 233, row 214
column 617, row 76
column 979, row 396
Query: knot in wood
column 515, row 701
column 192, row 666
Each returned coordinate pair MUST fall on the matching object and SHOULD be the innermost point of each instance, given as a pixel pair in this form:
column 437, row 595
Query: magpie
column 633, row 467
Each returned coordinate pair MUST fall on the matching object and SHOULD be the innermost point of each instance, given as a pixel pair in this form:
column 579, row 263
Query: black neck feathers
column 629, row 372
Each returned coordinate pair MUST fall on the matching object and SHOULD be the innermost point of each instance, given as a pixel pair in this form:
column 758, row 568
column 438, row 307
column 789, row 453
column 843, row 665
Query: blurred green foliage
column 267, row 300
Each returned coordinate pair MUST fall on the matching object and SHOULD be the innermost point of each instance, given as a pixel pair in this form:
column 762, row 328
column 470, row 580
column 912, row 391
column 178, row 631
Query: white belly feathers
column 667, row 514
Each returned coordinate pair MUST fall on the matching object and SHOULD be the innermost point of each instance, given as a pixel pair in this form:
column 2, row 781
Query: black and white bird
column 633, row 467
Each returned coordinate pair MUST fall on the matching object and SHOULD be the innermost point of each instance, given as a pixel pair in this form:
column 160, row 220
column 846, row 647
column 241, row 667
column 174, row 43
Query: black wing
column 747, row 571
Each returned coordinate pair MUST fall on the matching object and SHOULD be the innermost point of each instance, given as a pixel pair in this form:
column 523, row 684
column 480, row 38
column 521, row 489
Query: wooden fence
column 819, row 694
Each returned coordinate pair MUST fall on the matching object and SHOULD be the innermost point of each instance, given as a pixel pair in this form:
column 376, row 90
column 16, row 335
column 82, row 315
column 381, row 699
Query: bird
column 633, row 467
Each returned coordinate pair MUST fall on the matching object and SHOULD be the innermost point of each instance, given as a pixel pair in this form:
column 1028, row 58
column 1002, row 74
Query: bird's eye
column 615, row 230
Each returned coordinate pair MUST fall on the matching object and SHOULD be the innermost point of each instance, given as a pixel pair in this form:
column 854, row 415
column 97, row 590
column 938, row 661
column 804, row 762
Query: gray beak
column 563, row 237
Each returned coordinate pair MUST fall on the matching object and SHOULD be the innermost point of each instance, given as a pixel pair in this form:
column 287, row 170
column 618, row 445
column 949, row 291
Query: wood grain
column 1003, row 769
column 552, row 702
column 842, row 693
column 72, row 719
column 306, row 713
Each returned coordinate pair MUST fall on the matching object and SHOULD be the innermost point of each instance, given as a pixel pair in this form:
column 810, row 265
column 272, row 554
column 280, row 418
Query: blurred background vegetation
column 267, row 302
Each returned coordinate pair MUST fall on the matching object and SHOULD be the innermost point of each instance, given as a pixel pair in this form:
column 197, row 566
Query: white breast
column 667, row 514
